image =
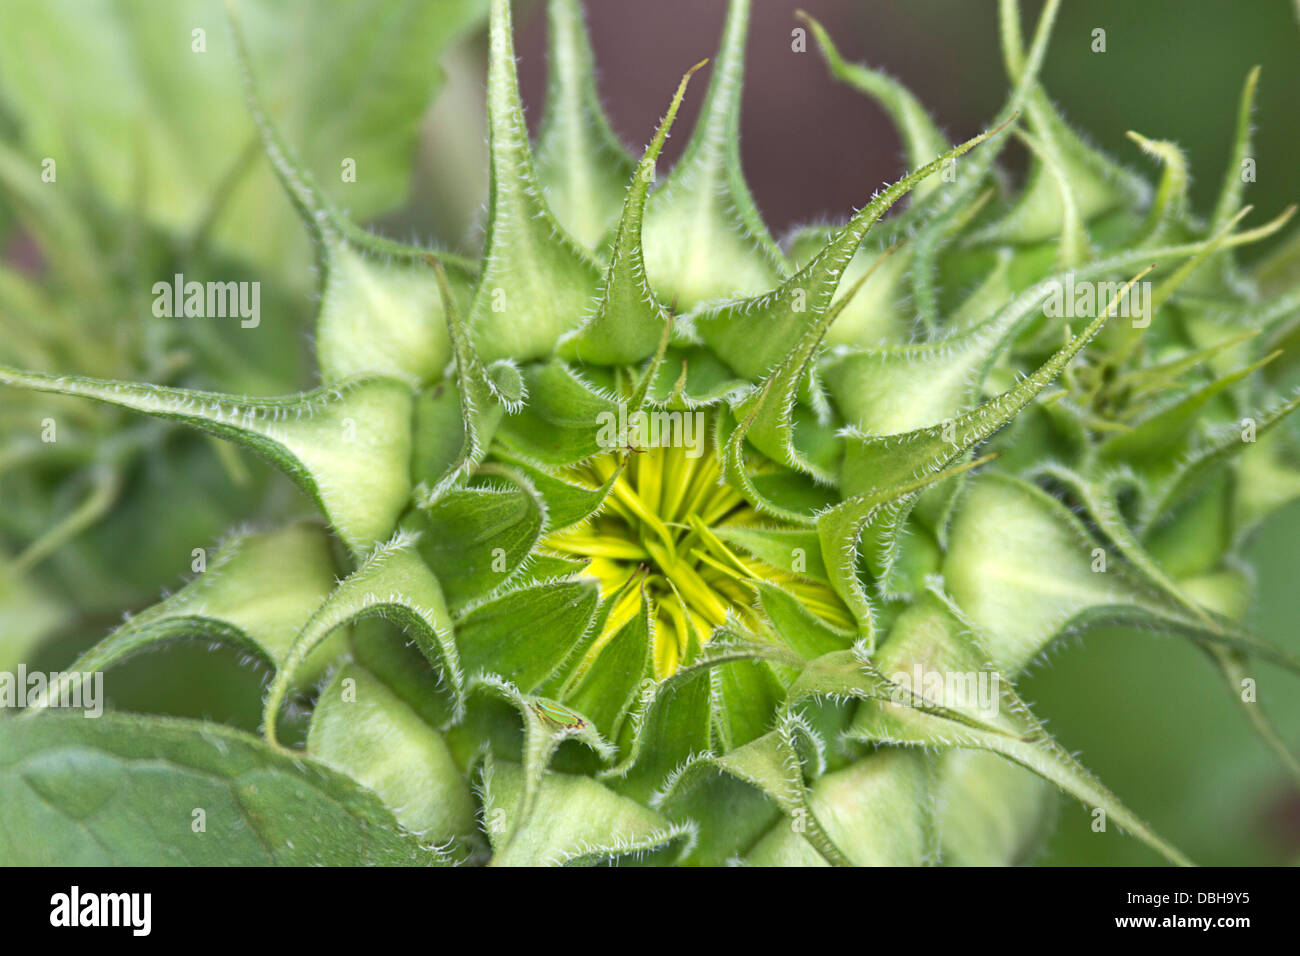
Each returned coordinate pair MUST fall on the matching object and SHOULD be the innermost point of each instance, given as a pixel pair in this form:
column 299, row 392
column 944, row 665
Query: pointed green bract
column 582, row 167
column 360, row 728
column 875, row 810
column 926, row 641
column 880, row 461
column 629, row 320
column 524, row 636
column 1169, row 206
column 704, row 238
column 772, row 765
column 776, row 619
column 1055, row 578
column 476, row 540
column 570, row 824
column 242, row 597
column 957, row 204
column 484, row 394
column 891, row 391
column 380, row 311
column 607, row 689
column 536, row 283
column 347, row 447
column 1233, row 181
column 752, row 334
column 391, row 584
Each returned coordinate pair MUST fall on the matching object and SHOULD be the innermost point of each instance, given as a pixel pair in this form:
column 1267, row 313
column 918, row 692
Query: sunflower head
column 713, row 547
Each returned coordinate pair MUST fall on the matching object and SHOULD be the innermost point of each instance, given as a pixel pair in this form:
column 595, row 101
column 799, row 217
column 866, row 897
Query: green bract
column 695, row 547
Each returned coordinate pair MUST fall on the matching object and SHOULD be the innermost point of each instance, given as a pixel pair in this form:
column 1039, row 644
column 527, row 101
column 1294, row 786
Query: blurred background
column 1146, row 713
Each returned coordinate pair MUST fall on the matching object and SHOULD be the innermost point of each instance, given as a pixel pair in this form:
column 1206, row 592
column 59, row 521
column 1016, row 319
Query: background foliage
column 94, row 80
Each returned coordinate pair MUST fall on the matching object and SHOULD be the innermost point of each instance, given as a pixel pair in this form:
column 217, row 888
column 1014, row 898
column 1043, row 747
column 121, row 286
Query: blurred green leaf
column 127, row 790
column 143, row 99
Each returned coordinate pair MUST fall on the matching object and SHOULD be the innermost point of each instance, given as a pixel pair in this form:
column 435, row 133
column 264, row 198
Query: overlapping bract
column 457, row 394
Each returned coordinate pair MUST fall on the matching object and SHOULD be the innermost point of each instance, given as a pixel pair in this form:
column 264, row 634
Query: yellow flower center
column 655, row 543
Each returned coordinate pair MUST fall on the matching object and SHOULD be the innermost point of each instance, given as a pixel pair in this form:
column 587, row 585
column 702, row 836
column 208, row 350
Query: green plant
column 136, row 190
column 903, row 456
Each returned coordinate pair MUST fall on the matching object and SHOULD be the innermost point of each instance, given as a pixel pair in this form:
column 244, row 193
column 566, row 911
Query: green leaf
column 362, row 729
column 156, row 126
column 582, row 167
column 347, row 447
column 123, row 790
column 536, row 282
column 704, row 237
column 380, row 312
